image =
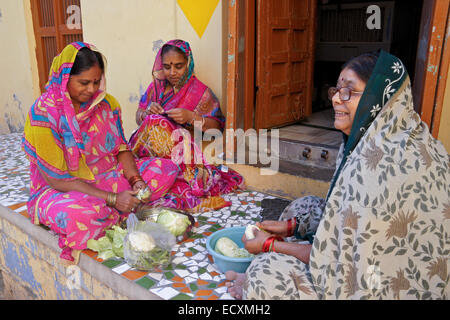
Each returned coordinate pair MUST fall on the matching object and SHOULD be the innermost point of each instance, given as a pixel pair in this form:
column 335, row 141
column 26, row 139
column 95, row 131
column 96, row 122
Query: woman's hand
column 155, row 108
column 299, row 250
column 141, row 114
column 180, row 115
column 126, row 201
column 279, row 228
column 255, row 245
column 139, row 185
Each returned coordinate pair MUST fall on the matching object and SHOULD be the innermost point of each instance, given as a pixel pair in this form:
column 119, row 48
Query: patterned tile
column 192, row 273
column 14, row 175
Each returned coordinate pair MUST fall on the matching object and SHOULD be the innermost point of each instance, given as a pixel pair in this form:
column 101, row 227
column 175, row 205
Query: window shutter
column 56, row 23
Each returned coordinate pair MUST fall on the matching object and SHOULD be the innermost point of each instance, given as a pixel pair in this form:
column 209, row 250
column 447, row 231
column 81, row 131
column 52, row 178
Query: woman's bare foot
column 235, row 283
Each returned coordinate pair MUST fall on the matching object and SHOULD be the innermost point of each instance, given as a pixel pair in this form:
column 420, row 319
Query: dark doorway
column 342, row 33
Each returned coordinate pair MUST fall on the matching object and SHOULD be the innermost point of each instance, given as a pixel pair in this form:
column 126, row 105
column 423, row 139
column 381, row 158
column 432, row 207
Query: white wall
column 129, row 33
column 17, row 93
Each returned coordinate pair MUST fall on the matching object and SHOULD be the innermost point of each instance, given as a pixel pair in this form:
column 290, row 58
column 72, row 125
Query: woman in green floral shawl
column 383, row 231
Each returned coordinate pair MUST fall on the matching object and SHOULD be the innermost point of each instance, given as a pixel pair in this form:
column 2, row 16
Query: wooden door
column 284, row 61
column 55, row 26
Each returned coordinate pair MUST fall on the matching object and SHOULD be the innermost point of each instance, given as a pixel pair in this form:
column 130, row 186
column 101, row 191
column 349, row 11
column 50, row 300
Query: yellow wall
column 129, row 32
column 17, row 92
column 444, row 127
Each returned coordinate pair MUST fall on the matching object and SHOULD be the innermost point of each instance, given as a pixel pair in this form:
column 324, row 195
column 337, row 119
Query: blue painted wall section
column 17, row 261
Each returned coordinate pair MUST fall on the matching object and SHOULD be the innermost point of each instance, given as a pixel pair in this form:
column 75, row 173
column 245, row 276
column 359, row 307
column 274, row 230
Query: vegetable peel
column 110, row 245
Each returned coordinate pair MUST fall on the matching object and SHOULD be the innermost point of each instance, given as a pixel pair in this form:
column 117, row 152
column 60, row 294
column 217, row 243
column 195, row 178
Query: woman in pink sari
column 173, row 104
column 84, row 179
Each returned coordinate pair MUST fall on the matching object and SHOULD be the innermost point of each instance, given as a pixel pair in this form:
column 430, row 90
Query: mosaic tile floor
column 14, row 175
column 192, row 274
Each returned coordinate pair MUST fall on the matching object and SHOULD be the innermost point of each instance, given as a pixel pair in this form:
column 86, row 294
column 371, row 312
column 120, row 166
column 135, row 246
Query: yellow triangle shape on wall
column 198, row 12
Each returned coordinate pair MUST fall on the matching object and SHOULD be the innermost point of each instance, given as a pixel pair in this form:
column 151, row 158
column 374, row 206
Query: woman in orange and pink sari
column 84, row 178
column 176, row 99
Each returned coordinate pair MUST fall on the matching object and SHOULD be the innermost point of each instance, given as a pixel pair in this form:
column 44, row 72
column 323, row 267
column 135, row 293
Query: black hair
column 86, row 59
column 168, row 48
column 363, row 65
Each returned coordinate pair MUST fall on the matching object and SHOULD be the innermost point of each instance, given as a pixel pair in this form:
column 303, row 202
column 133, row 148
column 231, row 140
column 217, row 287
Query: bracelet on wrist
column 268, row 245
column 111, row 199
column 292, row 223
column 132, row 180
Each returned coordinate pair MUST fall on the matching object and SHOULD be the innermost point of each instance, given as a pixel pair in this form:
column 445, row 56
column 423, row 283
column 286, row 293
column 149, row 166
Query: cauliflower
column 141, row 241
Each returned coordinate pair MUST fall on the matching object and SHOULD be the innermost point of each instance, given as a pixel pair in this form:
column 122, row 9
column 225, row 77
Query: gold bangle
column 132, row 180
column 111, row 199
column 108, row 199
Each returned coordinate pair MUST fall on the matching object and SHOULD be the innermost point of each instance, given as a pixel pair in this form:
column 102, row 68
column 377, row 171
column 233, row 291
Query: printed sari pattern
column 383, row 231
column 63, row 145
column 199, row 184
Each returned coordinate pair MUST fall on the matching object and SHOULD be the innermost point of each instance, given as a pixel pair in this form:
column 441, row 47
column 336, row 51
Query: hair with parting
column 86, row 59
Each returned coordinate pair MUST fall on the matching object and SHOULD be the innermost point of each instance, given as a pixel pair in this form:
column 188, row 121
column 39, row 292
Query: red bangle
column 291, row 227
column 269, row 243
column 266, row 244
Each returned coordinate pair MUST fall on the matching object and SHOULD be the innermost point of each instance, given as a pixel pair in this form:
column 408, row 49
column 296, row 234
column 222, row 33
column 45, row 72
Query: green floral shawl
column 385, row 230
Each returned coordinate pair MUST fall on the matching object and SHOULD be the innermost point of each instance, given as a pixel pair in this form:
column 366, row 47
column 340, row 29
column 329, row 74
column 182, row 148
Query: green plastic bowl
column 225, row 263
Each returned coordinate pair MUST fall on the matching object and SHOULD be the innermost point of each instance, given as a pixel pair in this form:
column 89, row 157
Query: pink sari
column 199, row 186
column 63, row 145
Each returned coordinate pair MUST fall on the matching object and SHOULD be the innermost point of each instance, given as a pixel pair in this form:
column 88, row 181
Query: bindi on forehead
column 177, row 64
column 345, row 81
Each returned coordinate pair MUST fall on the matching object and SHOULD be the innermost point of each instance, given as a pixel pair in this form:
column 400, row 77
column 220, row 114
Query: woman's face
column 83, row 86
column 345, row 110
column 174, row 66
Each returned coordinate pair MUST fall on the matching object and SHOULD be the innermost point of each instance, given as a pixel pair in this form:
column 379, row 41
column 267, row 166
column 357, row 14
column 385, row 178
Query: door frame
column 428, row 87
column 241, row 64
column 432, row 62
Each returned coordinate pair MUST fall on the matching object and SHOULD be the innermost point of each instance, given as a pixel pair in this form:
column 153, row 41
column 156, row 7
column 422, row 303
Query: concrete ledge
column 30, row 268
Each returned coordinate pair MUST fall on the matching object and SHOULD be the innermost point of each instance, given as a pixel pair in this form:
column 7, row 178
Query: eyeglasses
column 345, row 93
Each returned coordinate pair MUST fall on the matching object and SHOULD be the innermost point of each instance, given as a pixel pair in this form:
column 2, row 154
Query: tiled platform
column 192, row 274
